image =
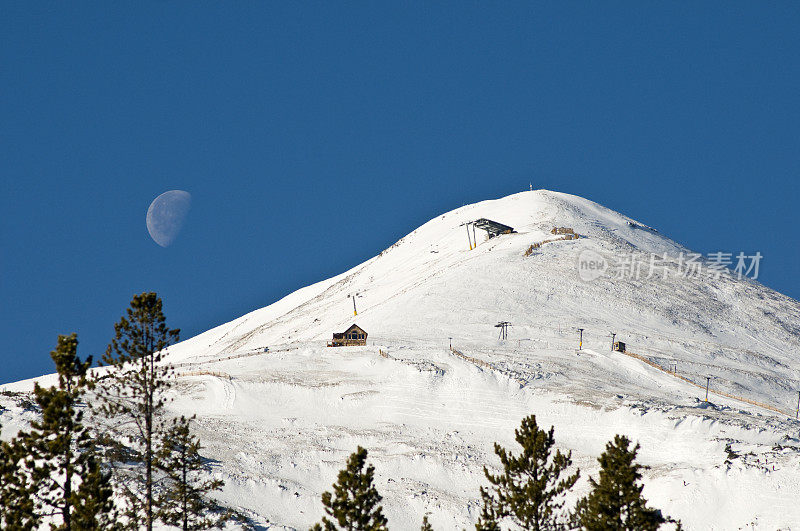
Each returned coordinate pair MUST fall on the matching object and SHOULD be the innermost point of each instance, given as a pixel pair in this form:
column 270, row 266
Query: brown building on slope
column 352, row 337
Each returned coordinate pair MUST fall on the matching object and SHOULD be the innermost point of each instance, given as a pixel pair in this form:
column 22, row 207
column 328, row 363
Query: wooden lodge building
column 352, row 337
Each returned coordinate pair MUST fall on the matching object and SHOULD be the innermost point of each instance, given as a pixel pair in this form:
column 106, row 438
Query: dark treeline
column 104, row 454
column 529, row 493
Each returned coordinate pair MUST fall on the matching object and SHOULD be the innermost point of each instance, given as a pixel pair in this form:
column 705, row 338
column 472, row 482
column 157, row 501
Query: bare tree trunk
column 185, row 495
column 149, row 444
column 67, row 512
column 67, row 491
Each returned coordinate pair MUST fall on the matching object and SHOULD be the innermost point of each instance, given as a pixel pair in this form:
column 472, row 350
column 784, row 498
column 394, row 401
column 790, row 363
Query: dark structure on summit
column 493, row 228
column 354, row 336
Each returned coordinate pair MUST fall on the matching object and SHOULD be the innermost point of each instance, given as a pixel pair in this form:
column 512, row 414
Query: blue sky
column 312, row 135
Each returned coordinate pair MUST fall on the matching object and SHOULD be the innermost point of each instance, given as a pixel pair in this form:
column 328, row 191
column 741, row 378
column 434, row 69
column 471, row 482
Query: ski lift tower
column 503, row 326
column 492, row 228
column 353, row 296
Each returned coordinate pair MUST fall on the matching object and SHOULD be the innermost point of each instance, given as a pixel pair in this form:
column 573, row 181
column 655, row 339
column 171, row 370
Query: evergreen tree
column 354, row 505
column 133, row 392
column 67, row 475
column 93, row 505
column 488, row 520
column 17, row 507
column 530, row 489
column 426, row 525
column 184, row 502
column 616, row 502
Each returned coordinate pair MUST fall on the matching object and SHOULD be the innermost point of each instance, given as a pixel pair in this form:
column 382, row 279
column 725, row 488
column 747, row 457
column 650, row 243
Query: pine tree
column 426, row 525
column 529, row 491
column 93, row 505
column 66, row 474
column 488, row 520
column 17, row 507
column 616, row 502
column 134, row 392
column 354, row 505
column 184, row 501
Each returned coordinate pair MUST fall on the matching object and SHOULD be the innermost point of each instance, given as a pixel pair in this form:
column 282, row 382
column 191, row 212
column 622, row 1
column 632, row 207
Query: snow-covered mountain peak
column 535, row 213
column 449, row 279
column 279, row 412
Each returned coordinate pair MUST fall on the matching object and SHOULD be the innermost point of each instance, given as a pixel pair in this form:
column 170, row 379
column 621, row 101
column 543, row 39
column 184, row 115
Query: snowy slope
column 281, row 424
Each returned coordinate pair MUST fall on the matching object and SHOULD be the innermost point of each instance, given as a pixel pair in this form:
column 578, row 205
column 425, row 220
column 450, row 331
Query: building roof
column 354, row 327
column 492, row 227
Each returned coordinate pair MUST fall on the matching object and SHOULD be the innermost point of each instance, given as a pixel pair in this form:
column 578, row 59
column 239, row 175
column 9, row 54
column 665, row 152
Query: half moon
column 166, row 215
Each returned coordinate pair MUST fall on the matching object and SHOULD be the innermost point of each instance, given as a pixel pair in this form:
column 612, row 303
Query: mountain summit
column 435, row 385
column 449, row 279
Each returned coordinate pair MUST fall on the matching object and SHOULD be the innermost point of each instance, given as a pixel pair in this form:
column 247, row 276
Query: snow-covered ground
column 281, row 424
